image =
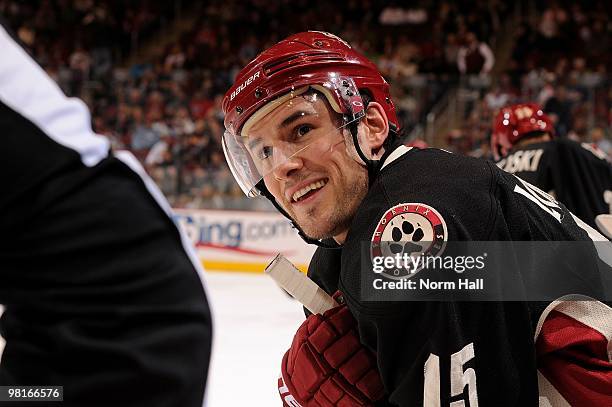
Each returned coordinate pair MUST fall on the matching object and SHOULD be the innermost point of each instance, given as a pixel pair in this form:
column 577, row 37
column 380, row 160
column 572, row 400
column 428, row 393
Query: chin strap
column 325, row 243
column 390, row 143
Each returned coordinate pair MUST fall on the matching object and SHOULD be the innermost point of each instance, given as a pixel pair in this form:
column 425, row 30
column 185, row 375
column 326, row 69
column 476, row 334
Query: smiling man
column 312, row 185
column 311, row 126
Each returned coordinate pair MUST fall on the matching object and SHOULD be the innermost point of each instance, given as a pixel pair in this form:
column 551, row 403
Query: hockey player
column 102, row 295
column 311, row 126
column 577, row 174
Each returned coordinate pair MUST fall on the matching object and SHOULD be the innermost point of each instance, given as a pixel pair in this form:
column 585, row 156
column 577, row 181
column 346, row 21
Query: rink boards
column 242, row 241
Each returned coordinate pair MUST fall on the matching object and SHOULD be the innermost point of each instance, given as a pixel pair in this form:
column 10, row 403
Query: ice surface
column 254, row 324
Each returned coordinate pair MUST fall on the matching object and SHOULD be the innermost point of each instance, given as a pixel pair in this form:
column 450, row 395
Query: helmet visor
column 303, row 122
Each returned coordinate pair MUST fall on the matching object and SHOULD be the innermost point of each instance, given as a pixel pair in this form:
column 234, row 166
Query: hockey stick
column 296, row 283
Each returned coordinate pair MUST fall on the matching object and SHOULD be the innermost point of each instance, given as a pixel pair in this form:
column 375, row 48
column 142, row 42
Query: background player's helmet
column 309, row 60
column 516, row 122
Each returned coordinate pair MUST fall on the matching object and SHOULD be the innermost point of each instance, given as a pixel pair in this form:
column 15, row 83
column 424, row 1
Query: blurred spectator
column 396, row 15
column 79, row 63
column 558, row 107
column 451, row 52
column 475, row 57
column 160, row 154
column 598, row 138
column 496, row 98
column 144, row 136
column 458, row 142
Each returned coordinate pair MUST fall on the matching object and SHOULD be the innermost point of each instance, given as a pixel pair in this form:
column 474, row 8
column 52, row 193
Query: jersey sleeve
column 574, row 353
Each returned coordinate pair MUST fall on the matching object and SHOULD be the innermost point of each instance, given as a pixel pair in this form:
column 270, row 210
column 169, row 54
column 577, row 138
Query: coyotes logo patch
column 409, row 228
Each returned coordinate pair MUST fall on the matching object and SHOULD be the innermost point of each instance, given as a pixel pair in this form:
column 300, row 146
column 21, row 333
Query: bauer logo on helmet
column 244, row 85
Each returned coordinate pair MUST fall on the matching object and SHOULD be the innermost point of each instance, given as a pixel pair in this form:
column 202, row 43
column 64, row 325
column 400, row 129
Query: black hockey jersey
column 460, row 353
column 577, row 174
column 101, row 294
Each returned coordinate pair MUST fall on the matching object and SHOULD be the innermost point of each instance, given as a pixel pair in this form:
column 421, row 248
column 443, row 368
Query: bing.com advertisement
column 242, row 241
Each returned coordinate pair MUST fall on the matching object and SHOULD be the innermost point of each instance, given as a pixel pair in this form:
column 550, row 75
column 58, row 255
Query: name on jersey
column 521, row 161
column 545, row 201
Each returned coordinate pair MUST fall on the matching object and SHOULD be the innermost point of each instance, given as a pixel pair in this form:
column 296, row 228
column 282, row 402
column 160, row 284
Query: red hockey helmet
column 515, row 122
column 312, row 59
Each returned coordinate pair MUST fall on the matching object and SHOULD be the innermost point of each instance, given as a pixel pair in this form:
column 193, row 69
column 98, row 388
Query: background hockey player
column 101, row 295
column 310, row 125
column 577, row 174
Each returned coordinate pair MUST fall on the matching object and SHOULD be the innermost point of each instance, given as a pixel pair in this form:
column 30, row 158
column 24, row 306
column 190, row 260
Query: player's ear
column 376, row 130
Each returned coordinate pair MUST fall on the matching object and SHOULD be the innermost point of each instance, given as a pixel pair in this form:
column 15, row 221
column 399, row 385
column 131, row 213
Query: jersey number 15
column 459, row 378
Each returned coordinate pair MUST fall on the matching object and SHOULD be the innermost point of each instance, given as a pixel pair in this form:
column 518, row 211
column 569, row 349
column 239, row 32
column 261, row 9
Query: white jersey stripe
column 549, row 395
column 27, row 89
column 395, row 154
column 593, row 314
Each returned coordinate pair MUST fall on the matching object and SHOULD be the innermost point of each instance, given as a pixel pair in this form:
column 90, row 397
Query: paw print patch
column 409, row 228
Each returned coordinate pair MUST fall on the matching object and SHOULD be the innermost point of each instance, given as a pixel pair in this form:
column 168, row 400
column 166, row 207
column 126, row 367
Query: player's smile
column 305, row 192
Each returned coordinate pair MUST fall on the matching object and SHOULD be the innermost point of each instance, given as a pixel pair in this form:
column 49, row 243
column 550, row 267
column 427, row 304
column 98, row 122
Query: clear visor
column 303, row 124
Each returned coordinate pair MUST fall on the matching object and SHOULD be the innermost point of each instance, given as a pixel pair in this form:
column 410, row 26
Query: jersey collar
column 395, row 154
